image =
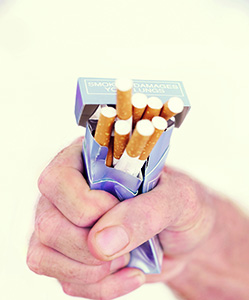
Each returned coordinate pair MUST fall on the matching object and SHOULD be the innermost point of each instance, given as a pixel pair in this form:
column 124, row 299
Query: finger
column 57, row 232
column 46, row 261
column 113, row 286
column 175, row 203
column 181, row 240
column 63, row 184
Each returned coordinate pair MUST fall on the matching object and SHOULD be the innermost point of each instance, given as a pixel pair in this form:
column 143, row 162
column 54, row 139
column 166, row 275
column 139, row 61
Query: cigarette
column 153, row 108
column 129, row 160
column 139, row 103
column 105, row 125
column 160, row 124
column 172, row 107
column 122, row 131
column 123, row 104
column 109, row 156
column 139, row 138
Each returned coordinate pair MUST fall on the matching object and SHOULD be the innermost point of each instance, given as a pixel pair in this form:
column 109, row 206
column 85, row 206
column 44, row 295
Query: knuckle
column 96, row 273
column 85, row 217
column 49, row 179
column 80, row 219
column 33, row 261
column 43, row 180
column 88, row 213
column 45, row 227
column 82, row 275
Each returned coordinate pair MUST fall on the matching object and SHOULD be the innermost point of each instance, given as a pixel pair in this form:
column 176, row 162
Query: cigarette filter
column 129, row 161
column 94, row 92
column 139, row 138
column 160, row 124
column 109, row 156
column 105, row 125
column 123, row 102
column 139, row 103
column 172, row 107
column 122, row 131
column 153, row 108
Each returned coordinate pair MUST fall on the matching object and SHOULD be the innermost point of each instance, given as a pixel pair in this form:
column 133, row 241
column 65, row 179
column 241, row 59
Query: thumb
column 132, row 222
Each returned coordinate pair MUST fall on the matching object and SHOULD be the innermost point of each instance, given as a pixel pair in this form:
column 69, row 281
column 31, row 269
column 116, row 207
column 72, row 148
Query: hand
column 65, row 212
column 83, row 237
column 179, row 209
column 204, row 237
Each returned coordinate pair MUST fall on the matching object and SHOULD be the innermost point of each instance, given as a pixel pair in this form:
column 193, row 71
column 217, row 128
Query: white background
column 46, row 45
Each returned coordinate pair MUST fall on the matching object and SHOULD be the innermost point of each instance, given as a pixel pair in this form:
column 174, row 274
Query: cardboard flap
column 92, row 92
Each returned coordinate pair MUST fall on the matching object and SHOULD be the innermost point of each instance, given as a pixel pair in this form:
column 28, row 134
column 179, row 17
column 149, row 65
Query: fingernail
column 111, row 240
column 119, row 263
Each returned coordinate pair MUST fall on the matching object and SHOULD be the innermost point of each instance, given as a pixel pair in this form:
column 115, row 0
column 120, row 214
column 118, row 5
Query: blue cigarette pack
column 92, row 93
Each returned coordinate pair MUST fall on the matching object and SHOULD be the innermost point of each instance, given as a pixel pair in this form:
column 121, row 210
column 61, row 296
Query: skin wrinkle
column 50, row 180
column 73, row 210
column 180, row 192
column 148, row 214
column 193, row 212
column 64, row 158
column 206, row 252
column 34, row 257
column 92, row 218
column 188, row 238
column 60, row 235
column 43, row 222
column 120, row 283
column 71, row 272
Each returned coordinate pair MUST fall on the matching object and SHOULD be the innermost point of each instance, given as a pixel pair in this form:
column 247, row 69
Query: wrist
column 218, row 268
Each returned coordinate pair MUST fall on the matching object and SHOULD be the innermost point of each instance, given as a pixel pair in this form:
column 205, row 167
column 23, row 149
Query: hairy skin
column 83, row 237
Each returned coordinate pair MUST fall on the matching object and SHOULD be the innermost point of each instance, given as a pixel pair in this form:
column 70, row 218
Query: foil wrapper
column 148, row 256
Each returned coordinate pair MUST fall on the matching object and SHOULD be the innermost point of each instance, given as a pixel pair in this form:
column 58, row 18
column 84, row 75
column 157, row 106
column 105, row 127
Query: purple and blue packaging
column 93, row 93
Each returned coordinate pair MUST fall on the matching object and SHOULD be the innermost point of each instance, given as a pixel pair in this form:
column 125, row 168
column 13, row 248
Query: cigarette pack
column 91, row 95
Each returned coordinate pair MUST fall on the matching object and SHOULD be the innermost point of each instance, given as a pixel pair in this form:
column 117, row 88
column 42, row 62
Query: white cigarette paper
column 129, row 160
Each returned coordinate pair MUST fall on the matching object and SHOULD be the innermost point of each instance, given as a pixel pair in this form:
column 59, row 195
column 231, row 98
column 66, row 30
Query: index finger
column 63, row 184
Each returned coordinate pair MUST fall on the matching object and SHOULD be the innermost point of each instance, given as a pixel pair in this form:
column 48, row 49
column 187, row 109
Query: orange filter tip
column 105, row 125
column 139, row 103
column 172, row 107
column 153, row 108
column 160, row 124
column 141, row 134
column 122, row 131
column 124, row 93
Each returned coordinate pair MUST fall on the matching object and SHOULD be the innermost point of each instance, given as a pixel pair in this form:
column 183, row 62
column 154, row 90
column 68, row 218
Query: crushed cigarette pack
column 91, row 95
